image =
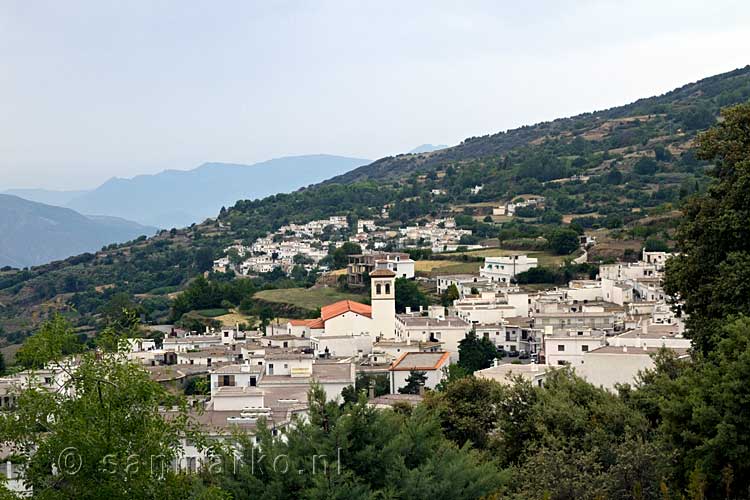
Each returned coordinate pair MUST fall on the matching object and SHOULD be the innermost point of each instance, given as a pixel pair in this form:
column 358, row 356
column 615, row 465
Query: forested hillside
column 627, row 170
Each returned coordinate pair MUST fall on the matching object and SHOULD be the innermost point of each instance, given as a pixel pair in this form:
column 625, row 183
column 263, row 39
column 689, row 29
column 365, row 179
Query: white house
column 191, row 342
column 491, row 307
column 464, row 282
column 401, row 265
column 503, row 269
column 569, row 348
column 659, row 259
column 507, row 373
column 433, row 364
column 652, row 335
column 610, row 365
column 449, row 331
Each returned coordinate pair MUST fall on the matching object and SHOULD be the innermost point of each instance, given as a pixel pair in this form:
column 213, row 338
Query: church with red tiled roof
column 347, row 318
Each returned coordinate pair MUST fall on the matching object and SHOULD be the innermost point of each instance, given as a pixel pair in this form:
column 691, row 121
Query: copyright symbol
column 69, row 461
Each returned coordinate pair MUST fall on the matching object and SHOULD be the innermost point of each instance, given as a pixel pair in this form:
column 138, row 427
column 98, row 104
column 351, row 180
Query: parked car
column 513, row 354
column 524, row 355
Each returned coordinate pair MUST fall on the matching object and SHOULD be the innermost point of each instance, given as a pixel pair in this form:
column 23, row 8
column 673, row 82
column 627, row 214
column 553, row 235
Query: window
column 585, row 348
column 378, row 289
column 270, row 368
column 387, row 288
column 253, row 381
column 560, row 348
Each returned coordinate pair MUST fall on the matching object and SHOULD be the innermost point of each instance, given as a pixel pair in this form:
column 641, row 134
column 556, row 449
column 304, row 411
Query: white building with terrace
column 504, row 269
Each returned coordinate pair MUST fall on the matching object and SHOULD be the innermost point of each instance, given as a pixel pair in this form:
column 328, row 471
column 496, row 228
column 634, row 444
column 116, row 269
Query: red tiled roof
column 315, row 324
column 343, row 306
column 311, row 323
column 382, row 273
column 420, row 361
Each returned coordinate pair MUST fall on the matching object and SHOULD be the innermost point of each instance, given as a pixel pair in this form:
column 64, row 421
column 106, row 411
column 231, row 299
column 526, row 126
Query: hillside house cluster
column 283, row 248
column 440, row 235
column 509, row 209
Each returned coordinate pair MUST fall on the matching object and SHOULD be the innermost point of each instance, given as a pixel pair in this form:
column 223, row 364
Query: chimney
column 495, row 362
column 408, row 310
column 371, row 390
column 421, row 389
column 624, row 348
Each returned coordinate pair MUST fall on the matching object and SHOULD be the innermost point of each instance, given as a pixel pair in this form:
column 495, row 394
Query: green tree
column 408, row 294
column 111, row 435
column 700, row 409
column 449, row 295
column 369, row 453
column 414, row 381
column 381, row 382
column 475, row 353
column 563, row 241
column 342, row 253
column 645, row 166
column 204, row 259
column 469, row 409
column 54, row 340
column 234, row 256
column 452, row 373
column 302, row 259
column 656, row 245
column 712, row 273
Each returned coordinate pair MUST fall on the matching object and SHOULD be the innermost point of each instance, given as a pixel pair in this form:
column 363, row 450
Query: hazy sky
column 95, row 89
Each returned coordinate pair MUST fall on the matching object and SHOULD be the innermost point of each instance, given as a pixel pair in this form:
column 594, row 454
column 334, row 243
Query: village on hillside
column 606, row 329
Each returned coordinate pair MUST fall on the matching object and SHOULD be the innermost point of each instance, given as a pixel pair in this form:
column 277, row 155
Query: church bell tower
column 383, row 297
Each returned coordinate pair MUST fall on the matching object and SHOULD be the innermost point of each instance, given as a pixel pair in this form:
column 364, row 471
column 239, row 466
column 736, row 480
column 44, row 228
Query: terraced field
column 307, row 298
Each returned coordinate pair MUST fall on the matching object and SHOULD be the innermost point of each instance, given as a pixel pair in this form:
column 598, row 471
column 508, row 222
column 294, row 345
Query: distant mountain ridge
column 178, row 198
column 46, row 196
column 34, row 233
